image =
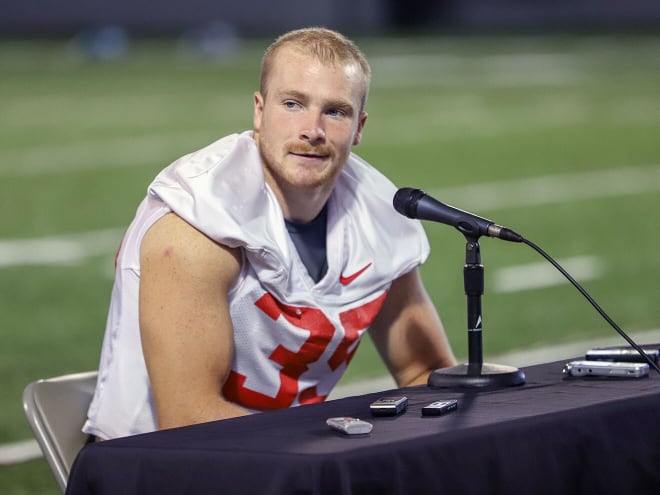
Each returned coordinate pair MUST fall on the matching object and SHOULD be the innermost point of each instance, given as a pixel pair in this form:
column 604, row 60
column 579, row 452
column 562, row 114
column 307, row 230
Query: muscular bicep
column 185, row 327
column 408, row 333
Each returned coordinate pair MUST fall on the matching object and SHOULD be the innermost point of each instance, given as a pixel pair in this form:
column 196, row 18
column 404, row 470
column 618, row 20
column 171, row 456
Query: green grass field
column 555, row 137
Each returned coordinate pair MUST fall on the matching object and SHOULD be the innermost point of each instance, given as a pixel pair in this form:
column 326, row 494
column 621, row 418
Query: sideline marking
column 99, row 154
column 15, row 452
column 542, row 274
column 28, row 449
column 553, row 189
column 505, row 70
column 59, row 250
column 544, row 190
column 536, row 354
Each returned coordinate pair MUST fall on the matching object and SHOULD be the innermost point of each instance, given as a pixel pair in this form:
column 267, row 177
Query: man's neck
column 300, row 205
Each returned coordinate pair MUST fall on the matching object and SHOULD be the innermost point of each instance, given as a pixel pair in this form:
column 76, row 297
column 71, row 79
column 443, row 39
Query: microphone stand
column 475, row 373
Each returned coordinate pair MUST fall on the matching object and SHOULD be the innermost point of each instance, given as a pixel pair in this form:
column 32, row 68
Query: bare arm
column 408, row 333
column 185, row 326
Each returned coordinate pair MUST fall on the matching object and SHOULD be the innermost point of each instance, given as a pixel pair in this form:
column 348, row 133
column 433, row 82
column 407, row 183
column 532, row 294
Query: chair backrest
column 56, row 409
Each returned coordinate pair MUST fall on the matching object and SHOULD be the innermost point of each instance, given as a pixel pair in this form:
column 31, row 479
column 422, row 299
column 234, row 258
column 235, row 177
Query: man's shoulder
column 173, row 236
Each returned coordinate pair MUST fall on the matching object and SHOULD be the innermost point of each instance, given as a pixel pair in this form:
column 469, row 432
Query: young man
column 255, row 265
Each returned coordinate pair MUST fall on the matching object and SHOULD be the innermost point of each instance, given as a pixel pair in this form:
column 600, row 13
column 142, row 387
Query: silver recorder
column 606, row 368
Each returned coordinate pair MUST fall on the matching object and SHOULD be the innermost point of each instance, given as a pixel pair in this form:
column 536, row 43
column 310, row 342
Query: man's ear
column 258, row 111
column 360, row 128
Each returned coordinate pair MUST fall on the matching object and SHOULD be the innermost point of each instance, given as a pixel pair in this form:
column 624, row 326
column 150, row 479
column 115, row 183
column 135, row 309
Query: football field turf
column 556, row 137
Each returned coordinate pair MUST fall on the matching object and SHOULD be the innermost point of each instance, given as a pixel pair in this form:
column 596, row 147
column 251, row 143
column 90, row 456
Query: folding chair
column 56, row 409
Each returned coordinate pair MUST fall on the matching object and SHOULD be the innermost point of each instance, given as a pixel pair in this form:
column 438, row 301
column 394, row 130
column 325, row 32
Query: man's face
column 308, row 121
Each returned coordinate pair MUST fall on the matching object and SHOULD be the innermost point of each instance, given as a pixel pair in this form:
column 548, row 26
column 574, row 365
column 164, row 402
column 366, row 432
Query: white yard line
column 158, row 149
column 13, row 453
column 519, row 358
column 542, row 274
column 560, row 188
column 511, row 70
column 552, row 189
column 97, row 154
column 16, row 452
column 59, row 250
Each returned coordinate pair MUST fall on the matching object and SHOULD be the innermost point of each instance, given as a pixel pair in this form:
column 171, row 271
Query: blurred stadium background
column 544, row 116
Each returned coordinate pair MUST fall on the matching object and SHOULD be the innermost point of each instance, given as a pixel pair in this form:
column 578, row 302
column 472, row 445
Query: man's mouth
column 310, row 155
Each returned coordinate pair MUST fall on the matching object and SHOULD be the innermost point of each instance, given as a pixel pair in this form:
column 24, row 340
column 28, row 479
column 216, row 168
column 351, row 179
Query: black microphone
column 415, row 203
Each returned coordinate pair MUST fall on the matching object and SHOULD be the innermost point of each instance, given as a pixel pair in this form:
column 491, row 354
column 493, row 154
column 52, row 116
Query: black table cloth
column 553, row 435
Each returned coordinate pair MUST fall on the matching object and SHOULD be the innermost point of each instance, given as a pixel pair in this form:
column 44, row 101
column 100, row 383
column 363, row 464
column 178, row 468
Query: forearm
column 409, row 334
column 212, row 410
column 417, row 373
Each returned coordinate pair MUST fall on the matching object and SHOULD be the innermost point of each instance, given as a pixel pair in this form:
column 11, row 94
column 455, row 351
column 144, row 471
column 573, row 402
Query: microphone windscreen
column 405, row 201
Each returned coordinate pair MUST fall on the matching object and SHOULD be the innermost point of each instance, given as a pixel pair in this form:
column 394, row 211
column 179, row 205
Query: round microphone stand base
column 476, row 375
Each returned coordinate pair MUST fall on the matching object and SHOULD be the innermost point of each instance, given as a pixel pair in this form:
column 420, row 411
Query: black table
column 550, row 436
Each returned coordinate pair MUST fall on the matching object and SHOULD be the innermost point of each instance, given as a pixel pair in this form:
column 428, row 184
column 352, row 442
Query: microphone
column 415, row 203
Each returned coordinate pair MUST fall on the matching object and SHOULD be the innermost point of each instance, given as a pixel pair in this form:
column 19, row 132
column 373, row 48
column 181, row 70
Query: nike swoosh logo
column 347, row 280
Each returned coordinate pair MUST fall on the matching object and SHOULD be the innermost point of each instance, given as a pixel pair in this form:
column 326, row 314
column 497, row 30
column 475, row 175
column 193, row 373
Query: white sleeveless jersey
column 293, row 337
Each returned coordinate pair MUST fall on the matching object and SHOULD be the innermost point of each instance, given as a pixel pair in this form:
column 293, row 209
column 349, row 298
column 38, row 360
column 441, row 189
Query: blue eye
column 339, row 111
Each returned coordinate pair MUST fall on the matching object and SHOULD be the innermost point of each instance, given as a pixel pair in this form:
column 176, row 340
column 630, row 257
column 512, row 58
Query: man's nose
column 313, row 130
